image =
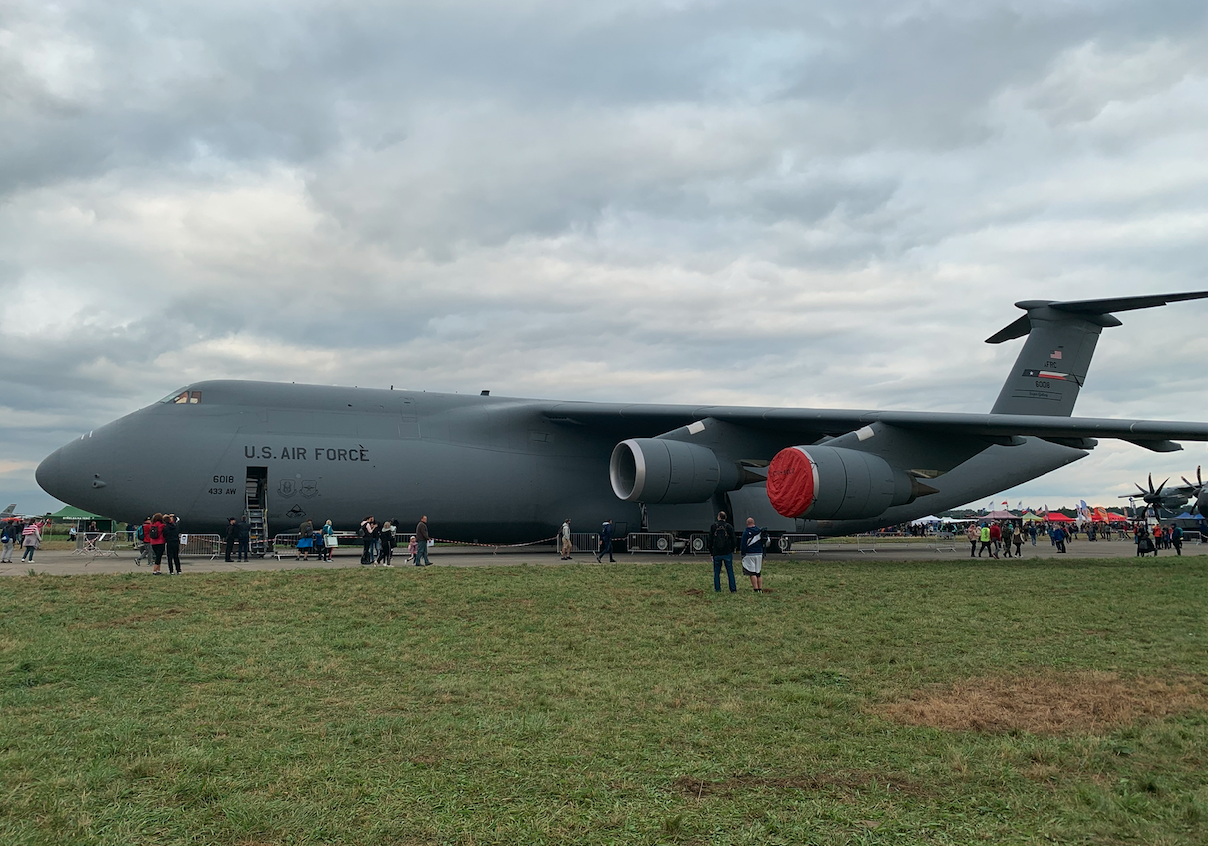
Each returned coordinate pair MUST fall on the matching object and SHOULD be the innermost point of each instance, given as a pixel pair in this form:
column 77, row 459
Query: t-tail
column 1054, row 361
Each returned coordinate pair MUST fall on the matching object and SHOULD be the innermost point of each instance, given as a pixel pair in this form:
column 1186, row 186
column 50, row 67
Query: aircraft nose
column 76, row 473
column 50, row 476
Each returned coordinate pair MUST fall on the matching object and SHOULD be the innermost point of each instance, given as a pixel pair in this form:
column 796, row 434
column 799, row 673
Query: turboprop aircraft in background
column 1175, row 497
column 504, row 470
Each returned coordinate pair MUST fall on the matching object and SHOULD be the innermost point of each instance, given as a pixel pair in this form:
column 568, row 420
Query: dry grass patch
column 1050, row 703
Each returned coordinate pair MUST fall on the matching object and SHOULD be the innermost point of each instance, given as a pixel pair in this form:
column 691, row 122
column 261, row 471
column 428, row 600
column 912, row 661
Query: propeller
column 1201, row 494
column 1152, row 497
column 1198, row 487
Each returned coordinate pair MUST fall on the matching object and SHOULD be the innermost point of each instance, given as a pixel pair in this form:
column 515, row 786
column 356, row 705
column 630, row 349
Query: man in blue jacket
column 751, row 546
column 605, row 542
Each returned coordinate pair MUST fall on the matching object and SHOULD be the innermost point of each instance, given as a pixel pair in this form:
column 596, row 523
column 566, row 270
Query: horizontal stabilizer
column 1097, row 308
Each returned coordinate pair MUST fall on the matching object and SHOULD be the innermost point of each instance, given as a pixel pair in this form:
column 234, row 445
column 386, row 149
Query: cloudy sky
column 810, row 204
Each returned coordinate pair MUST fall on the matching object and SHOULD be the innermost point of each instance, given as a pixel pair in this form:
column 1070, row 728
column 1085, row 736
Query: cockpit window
column 185, row 397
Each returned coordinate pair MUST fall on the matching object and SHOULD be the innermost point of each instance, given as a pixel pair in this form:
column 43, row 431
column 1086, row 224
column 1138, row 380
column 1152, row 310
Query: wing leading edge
column 1158, row 435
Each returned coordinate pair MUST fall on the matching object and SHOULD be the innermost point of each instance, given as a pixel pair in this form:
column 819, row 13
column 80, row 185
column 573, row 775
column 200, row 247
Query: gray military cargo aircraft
column 500, row 470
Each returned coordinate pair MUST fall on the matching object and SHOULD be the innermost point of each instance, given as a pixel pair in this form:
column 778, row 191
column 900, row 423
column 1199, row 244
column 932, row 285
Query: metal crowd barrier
column 942, row 542
column 866, row 543
column 584, row 542
column 285, row 544
column 192, row 543
column 804, row 543
column 97, row 544
column 650, row 542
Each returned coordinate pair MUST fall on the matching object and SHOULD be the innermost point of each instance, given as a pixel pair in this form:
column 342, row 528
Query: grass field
column 855, row 702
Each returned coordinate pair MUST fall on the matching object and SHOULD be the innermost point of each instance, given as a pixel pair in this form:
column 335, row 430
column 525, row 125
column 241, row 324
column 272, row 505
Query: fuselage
column 486, row 469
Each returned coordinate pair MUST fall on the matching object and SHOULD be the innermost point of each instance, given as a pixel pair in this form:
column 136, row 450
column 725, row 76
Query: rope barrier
column 494, row 546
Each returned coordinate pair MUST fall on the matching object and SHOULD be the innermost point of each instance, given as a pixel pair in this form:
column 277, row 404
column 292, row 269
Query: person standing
column 329, row 541
column 1059, row 538
column 306, row 540
column 31, row 539
column 422, row 539
column 172, row 544
column 368, row 527
column 974, row 535
column 564, row 532
column 243, row 534
column 154, row 533
column 1008, row 530
column 751, row 546
column 1032, row 532
column 986, row 543
column 7, row 538
column 387, row 551
column 606, row 542
column 1018, row 539
column 232, row 537
column 721, row 547
column 1176, row 539
column 996, row 536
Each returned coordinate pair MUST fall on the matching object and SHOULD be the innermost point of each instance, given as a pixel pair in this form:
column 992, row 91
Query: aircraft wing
column 1156, row 435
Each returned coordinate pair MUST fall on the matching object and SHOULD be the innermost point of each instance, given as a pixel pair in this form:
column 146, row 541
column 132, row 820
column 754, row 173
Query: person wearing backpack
column 751, row 546
column 1176, row 539
column 153, row 532
column 721, row 547
column 144, row 549
column 7, row 539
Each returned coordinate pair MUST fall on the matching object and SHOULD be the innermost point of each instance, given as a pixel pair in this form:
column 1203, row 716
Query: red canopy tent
column 1058, row 517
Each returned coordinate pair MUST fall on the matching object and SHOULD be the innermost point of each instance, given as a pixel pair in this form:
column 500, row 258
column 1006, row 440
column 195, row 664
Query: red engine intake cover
column 791, row 482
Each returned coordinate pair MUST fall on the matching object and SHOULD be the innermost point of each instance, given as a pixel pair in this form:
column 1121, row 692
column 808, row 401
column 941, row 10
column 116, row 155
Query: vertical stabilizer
column 1052, row 366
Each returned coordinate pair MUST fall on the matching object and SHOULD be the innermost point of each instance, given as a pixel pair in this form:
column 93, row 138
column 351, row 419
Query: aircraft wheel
column 784, row 544
column 698, row 544
column 662, row 544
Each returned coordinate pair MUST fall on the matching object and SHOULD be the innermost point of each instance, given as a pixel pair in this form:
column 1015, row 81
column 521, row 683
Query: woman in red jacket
column 153, row 534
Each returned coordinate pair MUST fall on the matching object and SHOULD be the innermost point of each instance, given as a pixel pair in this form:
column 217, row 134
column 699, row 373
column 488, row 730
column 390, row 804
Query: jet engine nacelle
column 653, row 470
column 830, row 483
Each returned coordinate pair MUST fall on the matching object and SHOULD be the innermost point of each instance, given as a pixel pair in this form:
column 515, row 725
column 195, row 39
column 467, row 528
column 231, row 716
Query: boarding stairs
column 255, row 507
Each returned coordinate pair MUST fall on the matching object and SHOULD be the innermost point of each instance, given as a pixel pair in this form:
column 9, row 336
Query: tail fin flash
column 1053, row 363
column 8, row 512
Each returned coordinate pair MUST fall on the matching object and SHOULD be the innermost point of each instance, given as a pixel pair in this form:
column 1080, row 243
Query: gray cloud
column 699, row 202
